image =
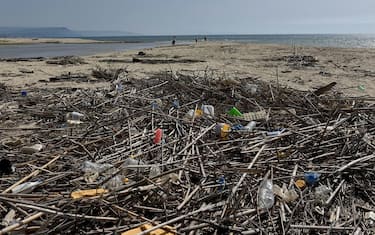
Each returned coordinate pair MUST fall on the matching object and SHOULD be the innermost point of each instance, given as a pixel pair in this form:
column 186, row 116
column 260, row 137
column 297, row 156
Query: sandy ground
column 12, row 41
column 352, row 69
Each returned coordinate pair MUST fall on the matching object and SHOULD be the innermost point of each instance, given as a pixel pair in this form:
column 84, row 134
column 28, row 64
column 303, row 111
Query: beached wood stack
column 193, row 179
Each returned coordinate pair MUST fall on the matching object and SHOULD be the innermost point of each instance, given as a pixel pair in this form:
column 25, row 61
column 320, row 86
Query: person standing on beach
column 196, row 40
column 174, row 41
column 205, row 38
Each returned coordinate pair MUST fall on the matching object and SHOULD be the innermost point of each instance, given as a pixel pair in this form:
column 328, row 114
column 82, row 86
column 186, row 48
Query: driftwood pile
column 153, row 156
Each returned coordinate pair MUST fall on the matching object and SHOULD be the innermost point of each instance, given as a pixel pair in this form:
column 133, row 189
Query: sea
column 125, row 43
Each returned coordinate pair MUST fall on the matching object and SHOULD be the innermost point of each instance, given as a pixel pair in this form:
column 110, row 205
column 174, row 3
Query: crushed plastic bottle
column 114, row 182
column 286, row 195
column 265, row 196
column 154, row 171
column 93, row 170
column 26, row 187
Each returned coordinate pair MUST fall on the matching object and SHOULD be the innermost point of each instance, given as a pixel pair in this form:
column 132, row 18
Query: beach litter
column 281, row 161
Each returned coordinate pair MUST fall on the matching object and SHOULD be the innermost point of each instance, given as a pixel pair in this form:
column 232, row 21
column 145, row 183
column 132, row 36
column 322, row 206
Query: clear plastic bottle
column 265, row 196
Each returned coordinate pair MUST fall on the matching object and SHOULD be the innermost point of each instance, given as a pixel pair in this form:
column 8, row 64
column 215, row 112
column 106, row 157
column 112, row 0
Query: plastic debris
column 370, row 215
column 312, row 178
column 208, row 110
column 23, row 93
column 275, row 133
column 300, row 184
column 74, row 118
column 158, row 136
column 93, row 170
column 154, row 171
column 26, row 187
column 166, row 230
column 250, row 126
column 88, row 193
column 9, row 218
column 194, row 113
column 114, row 182
column 234, row 112
column 253, row 116
column 32, row 149
column 285, row 194
column 265, row 196
column 223, row 130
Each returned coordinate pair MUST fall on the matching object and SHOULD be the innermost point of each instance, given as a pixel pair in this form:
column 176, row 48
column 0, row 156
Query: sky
column 174, row 17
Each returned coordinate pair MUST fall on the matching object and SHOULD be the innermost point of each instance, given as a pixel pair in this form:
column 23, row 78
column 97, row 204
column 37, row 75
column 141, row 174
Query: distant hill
column 55, row 32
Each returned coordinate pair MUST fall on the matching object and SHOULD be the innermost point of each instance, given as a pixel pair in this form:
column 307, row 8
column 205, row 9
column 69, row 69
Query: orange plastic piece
column 87, row 193
column 166, row 230
column 300, row 184
column 158, row 136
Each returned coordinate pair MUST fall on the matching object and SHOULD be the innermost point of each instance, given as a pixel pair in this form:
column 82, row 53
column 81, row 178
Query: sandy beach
column 351, row 69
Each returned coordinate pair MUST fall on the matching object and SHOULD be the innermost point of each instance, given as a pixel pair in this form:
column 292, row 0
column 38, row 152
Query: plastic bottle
column 74, row 118
column 265, row 196
column 250, row 126
column 26, row 187
column 114, row 182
